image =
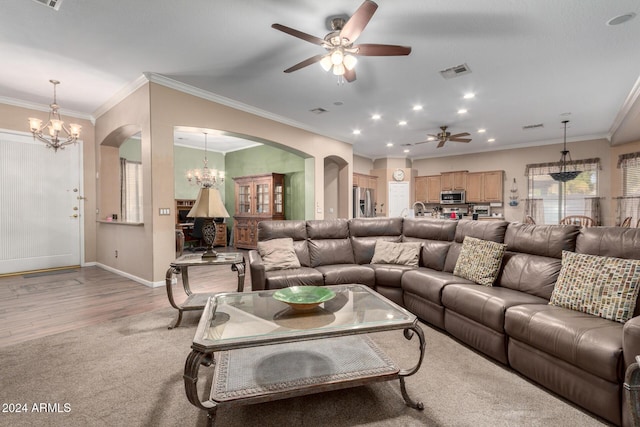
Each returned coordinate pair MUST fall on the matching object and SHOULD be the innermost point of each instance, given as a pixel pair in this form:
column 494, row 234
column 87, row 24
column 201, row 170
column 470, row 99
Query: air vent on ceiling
column 319, row 110
column 53, row 4
column 458, row 70
column 537, row 125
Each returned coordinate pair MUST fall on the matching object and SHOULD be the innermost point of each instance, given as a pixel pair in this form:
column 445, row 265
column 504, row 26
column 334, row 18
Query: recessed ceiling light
column 417, row 107
column 469, row 95
column 482, row 130
column 389, row 144
column 402, row 122
column 491, row 140
column 462, row 111
column 621, row 19
column 376, row 117
column 406, row 150
column 356, row 131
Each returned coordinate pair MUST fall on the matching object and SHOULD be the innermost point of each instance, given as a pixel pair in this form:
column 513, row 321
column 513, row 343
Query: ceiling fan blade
column 441, row 143
column 304, row 63
column 368, row 49
column 460, row 134
column 421, row 142
column 460, row 139
column 299, row 34
column 354, row 26
column 349, row 75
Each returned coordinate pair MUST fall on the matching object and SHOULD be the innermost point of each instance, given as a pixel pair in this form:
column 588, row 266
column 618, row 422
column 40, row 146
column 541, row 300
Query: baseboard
column 131, row 276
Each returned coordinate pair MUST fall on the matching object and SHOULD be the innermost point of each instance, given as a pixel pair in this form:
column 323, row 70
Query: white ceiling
column 531, row 60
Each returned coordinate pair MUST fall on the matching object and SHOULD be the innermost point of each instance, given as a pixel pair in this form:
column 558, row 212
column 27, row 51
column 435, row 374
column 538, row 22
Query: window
column 630, row 166
column 130, row 191
column 576, row 197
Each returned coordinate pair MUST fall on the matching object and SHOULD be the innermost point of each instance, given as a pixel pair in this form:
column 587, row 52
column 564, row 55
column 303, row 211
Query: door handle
column 73, row 216
column 75, row 208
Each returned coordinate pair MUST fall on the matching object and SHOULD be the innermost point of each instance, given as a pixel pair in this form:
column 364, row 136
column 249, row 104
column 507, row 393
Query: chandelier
column 565, row 175
column 205, row 177
column 56, row 125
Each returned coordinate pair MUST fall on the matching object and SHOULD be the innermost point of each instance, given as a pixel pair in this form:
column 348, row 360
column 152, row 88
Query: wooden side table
column 197, row 301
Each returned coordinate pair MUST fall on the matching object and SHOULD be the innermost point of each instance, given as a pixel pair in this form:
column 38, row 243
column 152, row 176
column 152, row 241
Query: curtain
column 130, row 191
column 592, row 209
column 627, row 206
column 547, row 168
column 535, row 209
column 629, row 159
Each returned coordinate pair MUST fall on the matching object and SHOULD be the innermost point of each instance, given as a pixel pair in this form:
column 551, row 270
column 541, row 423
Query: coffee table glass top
column 236, row 320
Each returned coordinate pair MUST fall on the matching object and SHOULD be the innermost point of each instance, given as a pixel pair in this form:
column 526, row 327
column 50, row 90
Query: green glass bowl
column 304, row 297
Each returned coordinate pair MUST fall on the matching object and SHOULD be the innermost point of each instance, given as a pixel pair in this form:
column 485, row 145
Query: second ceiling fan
column 445, row 136
column 341, row 52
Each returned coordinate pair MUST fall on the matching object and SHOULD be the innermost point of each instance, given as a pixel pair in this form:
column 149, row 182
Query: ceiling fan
column 445, row 136
column 341, row 52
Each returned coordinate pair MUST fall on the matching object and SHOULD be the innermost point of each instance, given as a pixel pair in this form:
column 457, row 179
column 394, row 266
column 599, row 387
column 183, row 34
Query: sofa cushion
column 609, row 241
column 429, row 229
column 390, row 275
column 396, row 253
column 295, row 229
column 347, row 273
column 533, row 274
column 278, row 254
column 330, row 251
column 602, row 286
column 484, row 304
column 542, row 240
column 479, row 260
column 588, row 342
column 485, row 230
column 303, row 276
column 428, row 283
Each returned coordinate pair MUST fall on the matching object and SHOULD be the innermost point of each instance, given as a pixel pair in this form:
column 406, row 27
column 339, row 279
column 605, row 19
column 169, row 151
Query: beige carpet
column 129, row 373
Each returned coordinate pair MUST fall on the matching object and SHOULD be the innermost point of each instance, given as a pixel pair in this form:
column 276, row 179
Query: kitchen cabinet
column 453, row 180
column 427, row 189
column 485, row 187
column 257, row 198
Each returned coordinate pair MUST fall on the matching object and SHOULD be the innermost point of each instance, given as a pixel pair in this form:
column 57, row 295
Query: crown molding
column 628, row 104
column 209, row 96
column 121, row 95
column 46, row 108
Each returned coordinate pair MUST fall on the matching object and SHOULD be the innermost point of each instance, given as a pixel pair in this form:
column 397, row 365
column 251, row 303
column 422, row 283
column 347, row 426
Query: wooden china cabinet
column 258, row 198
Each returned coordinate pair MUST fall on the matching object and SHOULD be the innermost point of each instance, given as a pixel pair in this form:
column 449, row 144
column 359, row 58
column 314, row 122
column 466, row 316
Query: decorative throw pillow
column 601, row 286
column 479, row 260
column 278, row 254
column 406, row 253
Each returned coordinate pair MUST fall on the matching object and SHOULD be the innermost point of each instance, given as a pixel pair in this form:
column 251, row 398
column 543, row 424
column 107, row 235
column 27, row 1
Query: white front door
column 40, row 205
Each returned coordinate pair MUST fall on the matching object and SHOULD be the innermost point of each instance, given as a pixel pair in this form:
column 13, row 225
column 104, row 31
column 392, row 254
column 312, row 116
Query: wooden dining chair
column 626, row 222
column 529, row 220
column 581, row 220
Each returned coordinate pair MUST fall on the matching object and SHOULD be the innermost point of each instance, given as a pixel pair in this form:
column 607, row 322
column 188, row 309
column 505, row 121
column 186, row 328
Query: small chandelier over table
column 565, row 175
column 55, row 126
column 205, row 177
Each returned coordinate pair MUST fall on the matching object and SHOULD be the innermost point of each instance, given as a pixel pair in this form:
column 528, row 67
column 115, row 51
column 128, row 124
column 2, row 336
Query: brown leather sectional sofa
column 578, row 356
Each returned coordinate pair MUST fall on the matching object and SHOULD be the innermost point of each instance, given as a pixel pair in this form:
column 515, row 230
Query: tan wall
column 171, row 108
column 362, row 165
column 15, row 119
column 133, row 244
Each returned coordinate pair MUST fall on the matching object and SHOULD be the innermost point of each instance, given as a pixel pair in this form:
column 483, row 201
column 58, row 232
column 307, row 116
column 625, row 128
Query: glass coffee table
column 255, row 340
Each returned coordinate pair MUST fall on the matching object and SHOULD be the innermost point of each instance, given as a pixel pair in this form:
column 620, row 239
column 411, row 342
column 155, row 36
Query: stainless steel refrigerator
column 363, row 206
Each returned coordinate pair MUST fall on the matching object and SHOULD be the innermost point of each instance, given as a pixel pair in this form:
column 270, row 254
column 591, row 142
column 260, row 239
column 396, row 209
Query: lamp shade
column 208, row 205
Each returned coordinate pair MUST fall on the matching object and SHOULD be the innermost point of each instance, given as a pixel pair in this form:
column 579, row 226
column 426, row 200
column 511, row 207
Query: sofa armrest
column 256, row 268
column 631, row 341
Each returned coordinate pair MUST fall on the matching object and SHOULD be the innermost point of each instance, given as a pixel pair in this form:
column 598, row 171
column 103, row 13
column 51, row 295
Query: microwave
column 452, row 197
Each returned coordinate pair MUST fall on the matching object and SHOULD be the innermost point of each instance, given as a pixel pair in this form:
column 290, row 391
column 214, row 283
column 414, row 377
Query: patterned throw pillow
column 479, row 260
column 598, row 285
column 406, row 253
column 278, row 254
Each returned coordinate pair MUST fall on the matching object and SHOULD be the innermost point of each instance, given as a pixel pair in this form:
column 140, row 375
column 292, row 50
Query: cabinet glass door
column 263, row 198
column 278, row 206
column 244, row 199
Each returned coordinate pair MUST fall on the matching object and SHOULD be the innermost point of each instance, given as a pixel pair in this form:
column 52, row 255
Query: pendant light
column 565, row 175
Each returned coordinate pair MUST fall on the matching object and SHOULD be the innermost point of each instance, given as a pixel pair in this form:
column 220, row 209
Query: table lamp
column 208, row 205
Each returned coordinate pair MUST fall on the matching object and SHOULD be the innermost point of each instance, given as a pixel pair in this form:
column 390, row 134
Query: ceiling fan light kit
column 341, row 52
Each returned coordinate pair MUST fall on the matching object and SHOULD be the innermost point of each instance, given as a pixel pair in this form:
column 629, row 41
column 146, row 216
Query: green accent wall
column 267, row 159
column 131, row 149
column 189, row 158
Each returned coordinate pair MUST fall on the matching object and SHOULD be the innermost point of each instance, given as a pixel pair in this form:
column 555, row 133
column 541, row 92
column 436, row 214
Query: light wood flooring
column 34, row 307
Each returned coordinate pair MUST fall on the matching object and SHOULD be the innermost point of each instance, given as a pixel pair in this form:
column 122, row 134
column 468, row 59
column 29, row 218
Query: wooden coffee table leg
column 408, row 334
